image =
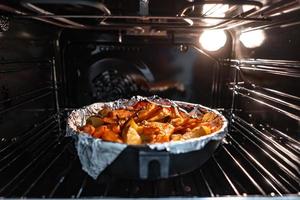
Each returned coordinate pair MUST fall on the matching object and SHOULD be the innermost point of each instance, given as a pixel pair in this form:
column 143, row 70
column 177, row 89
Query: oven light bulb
column 213, row 40
column 252, row 39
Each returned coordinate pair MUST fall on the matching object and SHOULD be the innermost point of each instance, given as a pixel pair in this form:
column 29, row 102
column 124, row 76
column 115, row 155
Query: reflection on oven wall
column 25, row 77
column 267, row 93
column 108, row 72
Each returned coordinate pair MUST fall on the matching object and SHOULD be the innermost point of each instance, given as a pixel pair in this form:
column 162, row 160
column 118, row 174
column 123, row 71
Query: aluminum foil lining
column 95, row 154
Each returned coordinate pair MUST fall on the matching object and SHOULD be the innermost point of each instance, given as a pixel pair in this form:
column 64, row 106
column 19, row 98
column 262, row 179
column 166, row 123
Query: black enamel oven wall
column 267, row 85
column 102, row 70
column 26, row 78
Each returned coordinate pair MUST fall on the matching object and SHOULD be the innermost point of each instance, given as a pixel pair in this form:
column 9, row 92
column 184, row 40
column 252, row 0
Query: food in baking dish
column 147, row 123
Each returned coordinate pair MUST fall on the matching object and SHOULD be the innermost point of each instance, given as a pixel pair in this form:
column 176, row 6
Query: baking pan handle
column 148, row 164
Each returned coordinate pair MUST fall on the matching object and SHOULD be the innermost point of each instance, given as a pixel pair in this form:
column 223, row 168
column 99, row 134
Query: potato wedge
column 147, row 122
column 131, row 136
column 95, row 121
column 209, row 116
column 196, row 132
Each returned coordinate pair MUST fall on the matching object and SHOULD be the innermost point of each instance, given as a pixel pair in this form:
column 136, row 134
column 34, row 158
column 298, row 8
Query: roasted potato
column 130, row 133
column 176, row 137
column 146, row 122
column 194, row 133
column 95, row 121
column 120, row 114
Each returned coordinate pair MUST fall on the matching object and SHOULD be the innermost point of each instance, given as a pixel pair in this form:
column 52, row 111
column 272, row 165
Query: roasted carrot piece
column 141, row 105
column 120, row 114
column 115, row 128
column 147, row 113
column 160, row 138
column 147, row 122
column 111, row 136
column 88, row 128
column 108, row 120
column 99, row 131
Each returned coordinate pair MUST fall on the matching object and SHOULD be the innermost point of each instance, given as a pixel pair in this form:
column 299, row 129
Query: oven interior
column 57, row 56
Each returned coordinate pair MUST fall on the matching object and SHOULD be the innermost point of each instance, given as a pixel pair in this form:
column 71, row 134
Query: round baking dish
column 147, row 161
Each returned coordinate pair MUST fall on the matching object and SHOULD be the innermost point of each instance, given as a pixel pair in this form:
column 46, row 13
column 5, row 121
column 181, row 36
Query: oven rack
column 41, row 163
column 192, row 16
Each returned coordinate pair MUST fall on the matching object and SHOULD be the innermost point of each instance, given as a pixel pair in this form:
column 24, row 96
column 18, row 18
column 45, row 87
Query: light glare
column 214, row 10
column 252, row 39
column 189, row 21
column 213, row 40
column 247, row 7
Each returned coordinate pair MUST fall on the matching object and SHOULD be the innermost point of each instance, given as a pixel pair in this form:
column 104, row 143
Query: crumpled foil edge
column 95, row 154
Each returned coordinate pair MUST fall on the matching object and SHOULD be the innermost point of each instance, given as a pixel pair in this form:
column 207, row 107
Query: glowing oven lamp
column 213, row 40
column 252, row 39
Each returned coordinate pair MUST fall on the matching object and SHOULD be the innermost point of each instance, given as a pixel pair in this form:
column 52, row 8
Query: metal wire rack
column 40, row 164
column 252, row 160
column 193, row 15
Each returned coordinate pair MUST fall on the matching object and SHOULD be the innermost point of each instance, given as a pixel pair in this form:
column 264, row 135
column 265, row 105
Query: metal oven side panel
column 26, row 82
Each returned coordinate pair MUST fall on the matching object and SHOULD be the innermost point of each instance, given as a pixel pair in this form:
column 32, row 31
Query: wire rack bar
column 268, row 97
column 252, row 180
column 253, row 161
column 207, row 185
column 284, row 168
column 32, row 92
column 62, row 178
column 289, row 114
column 26, row 167
column 233, row 14
column 27, row 134
column 227, row 177
column 15, row 154
column 45, row 170
column 38, row 97
column 275, row 148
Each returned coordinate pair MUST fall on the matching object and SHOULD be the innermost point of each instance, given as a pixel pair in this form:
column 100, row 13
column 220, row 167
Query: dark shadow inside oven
column 100, row 72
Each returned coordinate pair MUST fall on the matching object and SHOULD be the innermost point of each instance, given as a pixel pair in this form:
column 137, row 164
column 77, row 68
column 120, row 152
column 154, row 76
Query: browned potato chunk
column 161, row 114
column 177, row 121
column 111, row 136
column 147, row 122
column 176, row 137
column 95, row 121
column 150, row 111
column 130, row 133
column 120, row 114
column 104, row 112
column 196, row 132
column 209, row 116
column 131, row 136
column 162, row 131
